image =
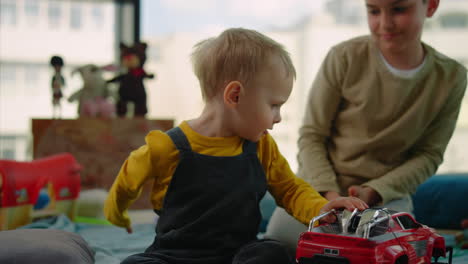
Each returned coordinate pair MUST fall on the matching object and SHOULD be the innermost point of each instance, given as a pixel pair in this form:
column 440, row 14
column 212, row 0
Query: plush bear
column 94, row 97
column 131, row 87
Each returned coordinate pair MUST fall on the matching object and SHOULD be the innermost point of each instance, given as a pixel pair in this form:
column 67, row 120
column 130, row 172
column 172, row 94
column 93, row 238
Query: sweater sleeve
column 427, row 154
column 322, row 105
column 127, row 186
column 292, row 193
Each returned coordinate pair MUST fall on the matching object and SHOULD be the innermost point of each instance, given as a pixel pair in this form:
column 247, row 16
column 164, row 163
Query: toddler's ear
column 231, row 93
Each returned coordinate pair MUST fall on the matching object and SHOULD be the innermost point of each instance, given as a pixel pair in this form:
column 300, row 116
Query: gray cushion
column 43, row 246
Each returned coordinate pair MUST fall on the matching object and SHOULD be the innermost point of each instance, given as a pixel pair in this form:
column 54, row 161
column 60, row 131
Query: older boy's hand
column 348, row 203
column 365, row 193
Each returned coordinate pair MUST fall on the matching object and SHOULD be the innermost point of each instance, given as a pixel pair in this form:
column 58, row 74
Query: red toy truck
column 373, row 236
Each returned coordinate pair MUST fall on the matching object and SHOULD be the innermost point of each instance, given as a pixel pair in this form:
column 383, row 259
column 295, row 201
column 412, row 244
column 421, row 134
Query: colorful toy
column 373, row 236
column 131, row 87
column 21, row 183
column 57, row 84
column 93, row 97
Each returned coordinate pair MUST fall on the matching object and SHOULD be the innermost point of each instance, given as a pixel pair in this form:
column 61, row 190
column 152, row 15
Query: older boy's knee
column 285, row 228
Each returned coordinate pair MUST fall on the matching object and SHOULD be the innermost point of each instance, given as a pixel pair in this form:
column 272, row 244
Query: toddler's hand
column 348, row 203
column 129, row 229
column 331, row 195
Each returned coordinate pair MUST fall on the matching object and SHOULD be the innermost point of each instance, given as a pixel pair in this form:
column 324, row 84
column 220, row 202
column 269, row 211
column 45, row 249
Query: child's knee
column 263, row 251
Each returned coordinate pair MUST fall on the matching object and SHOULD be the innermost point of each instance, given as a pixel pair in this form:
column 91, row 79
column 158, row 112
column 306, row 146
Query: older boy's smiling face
column 396, row 25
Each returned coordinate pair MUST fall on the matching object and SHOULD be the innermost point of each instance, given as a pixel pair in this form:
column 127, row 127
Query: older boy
column 381, row 112
column 211, row 172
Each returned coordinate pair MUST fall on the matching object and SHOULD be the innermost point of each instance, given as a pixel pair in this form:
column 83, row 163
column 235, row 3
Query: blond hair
column 237, row 54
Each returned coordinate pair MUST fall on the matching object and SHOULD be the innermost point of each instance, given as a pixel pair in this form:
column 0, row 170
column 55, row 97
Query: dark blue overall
column 211, row 211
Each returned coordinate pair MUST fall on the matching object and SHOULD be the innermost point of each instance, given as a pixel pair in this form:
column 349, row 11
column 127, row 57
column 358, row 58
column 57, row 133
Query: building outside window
column 7, row 147
column 31, row 74
column 8, row 12
column 7, row 73
column 31, row 11
column 75, row 16
column 154, row 53
column 12, row 147
column 454, row 20
column 97, row 16
column 54, row 12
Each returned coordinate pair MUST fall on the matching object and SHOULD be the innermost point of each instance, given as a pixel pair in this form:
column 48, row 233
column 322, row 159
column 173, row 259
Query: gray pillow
column 43, row 246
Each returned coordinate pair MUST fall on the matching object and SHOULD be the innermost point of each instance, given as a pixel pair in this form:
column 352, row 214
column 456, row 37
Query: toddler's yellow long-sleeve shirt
column 158, row 159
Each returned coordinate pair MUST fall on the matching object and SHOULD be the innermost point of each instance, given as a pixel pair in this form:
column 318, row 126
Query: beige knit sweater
column 364, row 125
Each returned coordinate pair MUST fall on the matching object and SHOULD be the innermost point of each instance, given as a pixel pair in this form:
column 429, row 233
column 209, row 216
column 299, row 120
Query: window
column 172, row 27
column 54, row 12
column 75, row 16
column 8, row 12
column 7, row 73
column 345, row 12
column 8, row 154
column 454, row 20
column 31, row 11
column 97, row 16
column 155, row 53
column 7, row 147
column 307, row 28
column 407, row 223
column 31, row 74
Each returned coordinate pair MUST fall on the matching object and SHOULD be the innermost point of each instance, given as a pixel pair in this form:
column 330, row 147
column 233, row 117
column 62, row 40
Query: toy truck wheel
column 402, row 260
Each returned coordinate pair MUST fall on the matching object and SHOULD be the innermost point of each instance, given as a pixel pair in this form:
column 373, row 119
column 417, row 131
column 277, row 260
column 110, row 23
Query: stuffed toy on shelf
column 94, row 99
column 131, row 87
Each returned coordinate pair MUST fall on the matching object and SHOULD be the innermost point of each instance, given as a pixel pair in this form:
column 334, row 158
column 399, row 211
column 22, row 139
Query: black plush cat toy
column 131, row 87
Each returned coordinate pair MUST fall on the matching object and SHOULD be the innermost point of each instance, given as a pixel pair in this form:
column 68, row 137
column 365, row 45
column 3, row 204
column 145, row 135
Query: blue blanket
column 111, row 244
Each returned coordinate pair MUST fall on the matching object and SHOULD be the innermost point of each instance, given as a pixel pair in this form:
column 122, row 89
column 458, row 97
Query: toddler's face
column 396, row 25
column 260, row 106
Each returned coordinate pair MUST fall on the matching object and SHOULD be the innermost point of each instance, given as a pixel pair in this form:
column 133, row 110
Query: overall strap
column 249, row 147
column 179, row 139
